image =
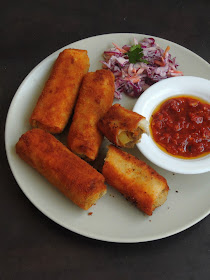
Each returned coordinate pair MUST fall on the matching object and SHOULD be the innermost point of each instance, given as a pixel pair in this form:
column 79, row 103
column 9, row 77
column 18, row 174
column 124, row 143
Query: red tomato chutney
column 181, row 126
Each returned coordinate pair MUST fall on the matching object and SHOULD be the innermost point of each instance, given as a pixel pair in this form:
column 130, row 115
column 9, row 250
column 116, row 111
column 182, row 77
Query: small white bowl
column 150, row 99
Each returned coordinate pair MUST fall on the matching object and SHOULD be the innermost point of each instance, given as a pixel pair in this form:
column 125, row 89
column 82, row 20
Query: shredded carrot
column 165, row 52
column 120, row 49
column 161, row 63
column 176, row 71
column 133, row 79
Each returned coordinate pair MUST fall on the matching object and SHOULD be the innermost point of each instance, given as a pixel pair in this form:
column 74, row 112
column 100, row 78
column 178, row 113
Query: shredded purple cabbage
column 133, row 79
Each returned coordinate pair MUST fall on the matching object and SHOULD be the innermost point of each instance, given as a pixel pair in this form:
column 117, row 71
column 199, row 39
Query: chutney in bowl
column 174, row 94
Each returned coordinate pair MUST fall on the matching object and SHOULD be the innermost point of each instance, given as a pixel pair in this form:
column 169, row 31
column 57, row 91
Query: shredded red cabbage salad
column 132, row 79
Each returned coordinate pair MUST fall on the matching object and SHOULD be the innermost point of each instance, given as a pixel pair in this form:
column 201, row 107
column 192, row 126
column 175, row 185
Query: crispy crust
column 75, row 178
column 137, row 181
column 95, row 98
column 58, row 97
column 119, row 119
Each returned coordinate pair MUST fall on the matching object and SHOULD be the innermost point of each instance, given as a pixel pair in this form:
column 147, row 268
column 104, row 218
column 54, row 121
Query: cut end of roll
column 128, row 139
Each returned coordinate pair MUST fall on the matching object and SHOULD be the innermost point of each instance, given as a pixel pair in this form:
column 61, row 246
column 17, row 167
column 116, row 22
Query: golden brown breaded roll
column 95, row 98
column 74, row 177
column 58, row 97
column 123, row 127
column 137, row 181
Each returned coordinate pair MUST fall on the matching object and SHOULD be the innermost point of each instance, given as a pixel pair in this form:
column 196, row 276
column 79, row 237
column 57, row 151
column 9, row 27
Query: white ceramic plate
column 114, row 218
column 145, row 106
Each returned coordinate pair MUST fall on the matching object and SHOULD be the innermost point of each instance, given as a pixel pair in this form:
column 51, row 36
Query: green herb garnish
column 135, row 54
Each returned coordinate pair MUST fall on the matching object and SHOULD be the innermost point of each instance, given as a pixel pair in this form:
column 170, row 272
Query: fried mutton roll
column 137, row 181
column 95, row 98
column 123, row 127
column 57, row 100
column 74, row 177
